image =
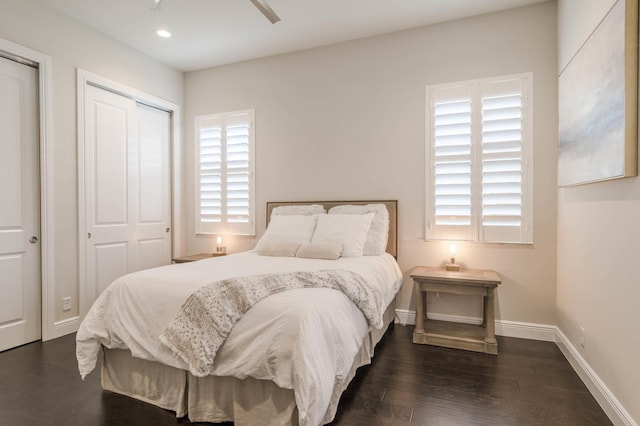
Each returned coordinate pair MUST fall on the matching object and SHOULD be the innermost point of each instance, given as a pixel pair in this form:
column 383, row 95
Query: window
column 225, row 189
column 480, row 171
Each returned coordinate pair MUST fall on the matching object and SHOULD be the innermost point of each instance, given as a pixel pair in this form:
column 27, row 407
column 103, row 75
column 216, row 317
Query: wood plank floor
column 529, row 383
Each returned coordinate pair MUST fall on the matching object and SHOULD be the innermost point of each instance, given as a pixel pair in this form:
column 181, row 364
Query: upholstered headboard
column 392, row 207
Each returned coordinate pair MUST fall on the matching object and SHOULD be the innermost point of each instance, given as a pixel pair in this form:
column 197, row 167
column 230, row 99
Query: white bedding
column 303, row 339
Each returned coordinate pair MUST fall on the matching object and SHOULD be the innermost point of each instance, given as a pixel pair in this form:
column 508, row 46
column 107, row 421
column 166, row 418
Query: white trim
column 474, row 92
column 523, row 330
column 66, row 326
column 47, row 194
column 85, row 78
column 549, row 333
column 609, row 403
column 405, row 317
column 526, row 330
column 225, row 227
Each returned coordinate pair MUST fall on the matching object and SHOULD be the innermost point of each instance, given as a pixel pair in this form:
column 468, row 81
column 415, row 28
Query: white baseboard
column 63, row 327
column 609, row 403
column 548, row 333
column 522, row 330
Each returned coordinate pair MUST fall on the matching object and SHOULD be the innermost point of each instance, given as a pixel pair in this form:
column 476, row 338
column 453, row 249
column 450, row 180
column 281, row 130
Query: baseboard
column 522, row 330
column 526, row 330
column 609, row 403
column 63, row 327
column 549, row 333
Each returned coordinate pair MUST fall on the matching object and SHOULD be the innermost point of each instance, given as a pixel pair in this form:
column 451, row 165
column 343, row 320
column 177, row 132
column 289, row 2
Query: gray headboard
column 392, row 207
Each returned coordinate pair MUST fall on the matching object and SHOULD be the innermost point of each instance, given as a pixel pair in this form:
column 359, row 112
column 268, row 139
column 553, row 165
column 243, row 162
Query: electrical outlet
column 66, row 304
column 582, row 337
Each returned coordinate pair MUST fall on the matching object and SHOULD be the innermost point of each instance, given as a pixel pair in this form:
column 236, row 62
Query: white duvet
column 303, row 339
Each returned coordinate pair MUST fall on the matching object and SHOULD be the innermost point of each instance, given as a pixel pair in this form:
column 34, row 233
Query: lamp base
column 451, row 266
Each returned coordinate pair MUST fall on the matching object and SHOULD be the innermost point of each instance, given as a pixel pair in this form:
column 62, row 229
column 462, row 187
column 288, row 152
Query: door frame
column 49, row 329
column 85, row 78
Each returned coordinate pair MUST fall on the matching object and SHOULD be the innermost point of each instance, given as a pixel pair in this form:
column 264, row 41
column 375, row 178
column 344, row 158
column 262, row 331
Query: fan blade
column 266, row 10
column 154, row 5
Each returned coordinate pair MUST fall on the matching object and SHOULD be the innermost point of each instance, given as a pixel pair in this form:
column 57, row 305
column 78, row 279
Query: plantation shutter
column 238, row 174
column 504, row 218
column 209, row 160
column 451, row 132
column 225, row 187
column 478, row 150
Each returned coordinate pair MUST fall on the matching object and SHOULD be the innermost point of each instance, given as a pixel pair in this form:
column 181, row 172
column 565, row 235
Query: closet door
column 127, row 193
column 20, row 283
column 153, row 233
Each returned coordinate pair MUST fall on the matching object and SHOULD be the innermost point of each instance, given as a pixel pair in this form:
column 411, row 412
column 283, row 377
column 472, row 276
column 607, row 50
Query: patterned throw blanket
column 208, row 315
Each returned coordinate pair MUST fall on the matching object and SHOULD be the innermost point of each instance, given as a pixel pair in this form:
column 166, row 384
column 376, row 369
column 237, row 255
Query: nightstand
column 195, row 257
column 471, row 337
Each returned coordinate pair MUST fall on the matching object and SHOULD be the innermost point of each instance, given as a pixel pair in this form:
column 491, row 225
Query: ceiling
column 209, row 33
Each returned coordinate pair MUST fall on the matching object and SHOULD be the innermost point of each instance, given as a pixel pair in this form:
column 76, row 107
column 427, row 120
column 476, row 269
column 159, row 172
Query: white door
column 153, row 233
column 20, row 289
column 127, row 188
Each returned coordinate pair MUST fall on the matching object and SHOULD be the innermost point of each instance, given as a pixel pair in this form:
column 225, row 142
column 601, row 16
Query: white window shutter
column 504, row 172
column 450, row 112
column 239, row 163
column 209, row 161
column 479, row 136
column 225, row 169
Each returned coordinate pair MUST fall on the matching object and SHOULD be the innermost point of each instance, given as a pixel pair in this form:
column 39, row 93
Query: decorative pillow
column 279, row 248
column 350, row 230
column 291, row 228
column 376, row 243
column 306, row 209
column 328, row 250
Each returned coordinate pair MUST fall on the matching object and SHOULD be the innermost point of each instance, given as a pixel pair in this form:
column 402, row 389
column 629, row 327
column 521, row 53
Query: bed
column 289, row 357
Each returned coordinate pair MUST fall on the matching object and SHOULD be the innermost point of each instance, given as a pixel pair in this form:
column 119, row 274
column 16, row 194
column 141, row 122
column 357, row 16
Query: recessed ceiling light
column 163, row 33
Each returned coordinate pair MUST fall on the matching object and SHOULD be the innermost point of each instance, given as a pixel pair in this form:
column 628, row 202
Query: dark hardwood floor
column 529, row 383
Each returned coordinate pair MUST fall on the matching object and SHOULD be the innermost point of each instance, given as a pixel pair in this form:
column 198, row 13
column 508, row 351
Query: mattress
column 304, row 340
column 246, row 402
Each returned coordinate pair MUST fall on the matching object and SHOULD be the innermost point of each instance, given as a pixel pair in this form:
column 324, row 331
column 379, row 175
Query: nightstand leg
column 489, row 317
column 484, row 310
column 419, row 308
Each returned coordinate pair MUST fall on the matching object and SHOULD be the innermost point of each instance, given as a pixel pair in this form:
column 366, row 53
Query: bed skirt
column 217, row 399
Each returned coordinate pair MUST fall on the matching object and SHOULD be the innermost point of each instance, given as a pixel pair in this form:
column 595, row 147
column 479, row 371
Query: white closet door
column 127, row 192
column 153, row 231
column 20, row 286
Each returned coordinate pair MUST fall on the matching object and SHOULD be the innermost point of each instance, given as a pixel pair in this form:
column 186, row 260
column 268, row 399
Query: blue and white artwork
column 592, row 106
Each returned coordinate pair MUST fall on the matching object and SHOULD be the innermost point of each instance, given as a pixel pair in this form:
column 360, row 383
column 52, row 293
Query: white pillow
column 305, row 209
column 290, row 228
column 279, row 248
column 350, row 230
column 376, row 243
column 327, row 251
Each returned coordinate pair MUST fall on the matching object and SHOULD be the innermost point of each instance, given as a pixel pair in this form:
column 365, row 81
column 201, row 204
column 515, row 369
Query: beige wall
column 598, row 250
column 347, row 122
column 71, row 45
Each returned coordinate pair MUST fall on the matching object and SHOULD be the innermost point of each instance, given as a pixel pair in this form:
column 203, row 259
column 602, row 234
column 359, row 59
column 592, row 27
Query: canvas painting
column 597, row 107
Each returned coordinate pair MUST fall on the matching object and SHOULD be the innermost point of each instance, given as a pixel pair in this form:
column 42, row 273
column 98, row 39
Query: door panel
column 111, row 263
column 109, row 134
column 110, row 141
column 12, row 302
column 20, row 289
column 154, row 221
column 151, row 253
column 127, row 188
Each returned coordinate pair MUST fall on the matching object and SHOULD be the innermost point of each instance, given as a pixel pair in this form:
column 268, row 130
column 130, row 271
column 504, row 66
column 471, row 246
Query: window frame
column 224, row 227
column 477, row 231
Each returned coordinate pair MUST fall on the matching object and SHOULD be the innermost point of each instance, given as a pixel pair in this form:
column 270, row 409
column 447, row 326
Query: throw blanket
column 208, row 315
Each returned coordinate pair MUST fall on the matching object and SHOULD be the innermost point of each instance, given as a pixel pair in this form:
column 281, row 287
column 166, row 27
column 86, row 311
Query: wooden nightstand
column 195, row 257
column 478, row 338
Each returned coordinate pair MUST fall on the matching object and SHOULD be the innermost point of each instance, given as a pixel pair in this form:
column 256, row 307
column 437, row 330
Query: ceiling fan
column 266, row 10
column 260, row 4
